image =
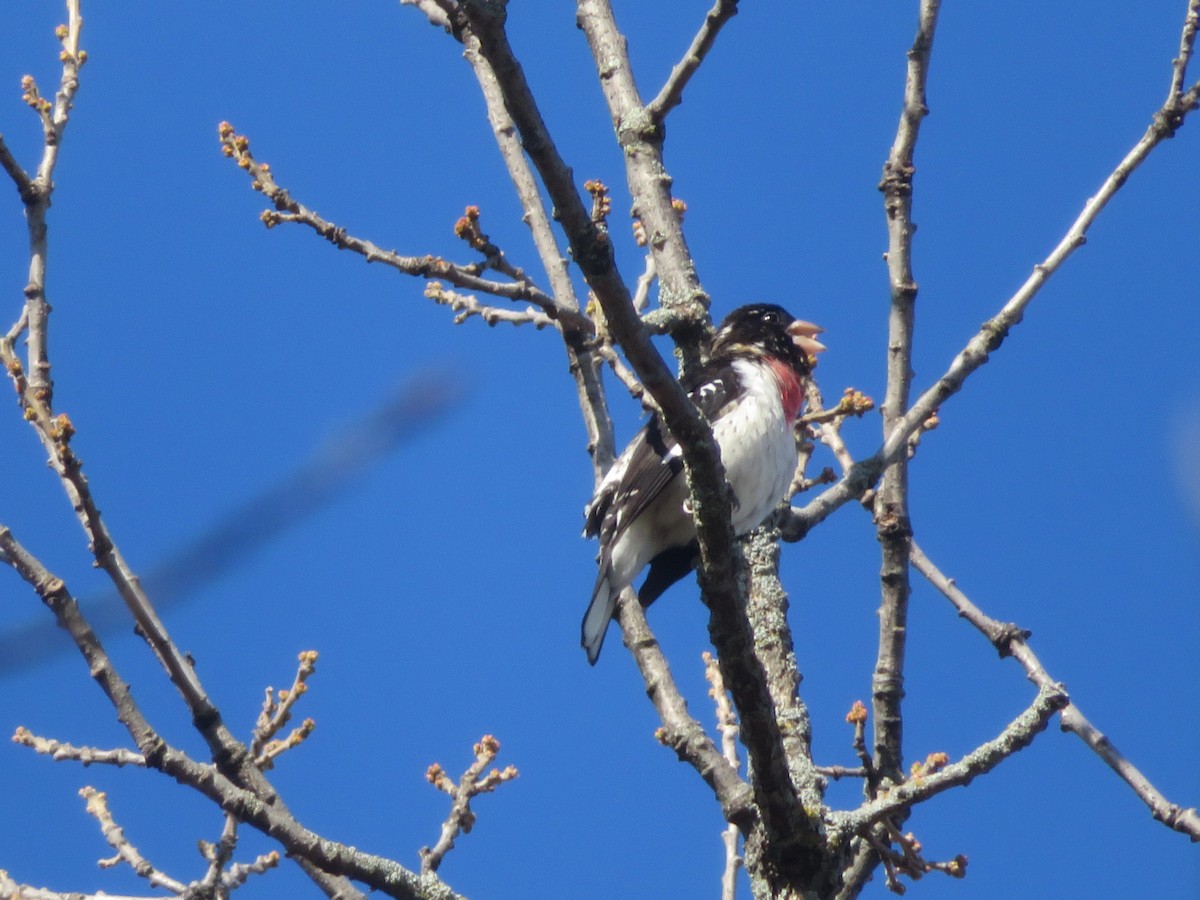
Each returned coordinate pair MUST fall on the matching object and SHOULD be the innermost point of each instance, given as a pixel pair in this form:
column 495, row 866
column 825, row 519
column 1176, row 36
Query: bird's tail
column 599, row 614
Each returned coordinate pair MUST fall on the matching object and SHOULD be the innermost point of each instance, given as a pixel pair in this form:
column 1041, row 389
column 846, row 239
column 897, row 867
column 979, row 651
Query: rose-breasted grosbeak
column 751, row 391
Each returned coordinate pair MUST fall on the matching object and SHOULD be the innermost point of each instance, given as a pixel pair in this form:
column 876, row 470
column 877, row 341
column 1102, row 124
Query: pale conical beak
column 804, row 335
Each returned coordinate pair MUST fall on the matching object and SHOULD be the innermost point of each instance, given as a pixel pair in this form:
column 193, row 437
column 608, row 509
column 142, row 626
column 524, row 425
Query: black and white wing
column 647, row 472
column 653, row 460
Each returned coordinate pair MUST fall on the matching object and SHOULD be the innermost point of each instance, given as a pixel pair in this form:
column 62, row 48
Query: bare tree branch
column 219, row 854
column 862, row 476
column 1187, row 42
column 626, row 376
column 787, row 829
column 219, row 881
column 1166, row 122
column 59, row 750
column 671, row 93
column 908, row 859
column 19, row 176
column 238, row 873
column 474, row 22
column 593, row 252
column 35, row 395
column 97, row 806
column 683, row 298
column 581, row 361
column 891, row 501
column 465, row 306
column 326, row 862
column 473, row 783
column 680, row 731
column 1011, row 640
column 767, row 611
column 1016, row 736
column 35, row 194
column 277, row 712
column 11, row 890
column 727, row 727
column 641, row 137
column 590, row 246
column 288, row 209
column 837, row 773
column 229, row 753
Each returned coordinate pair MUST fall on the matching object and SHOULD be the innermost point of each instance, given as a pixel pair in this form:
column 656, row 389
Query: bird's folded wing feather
column 652, row 461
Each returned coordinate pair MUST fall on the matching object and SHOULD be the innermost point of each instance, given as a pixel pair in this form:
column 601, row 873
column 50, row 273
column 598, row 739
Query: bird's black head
column 764, row 328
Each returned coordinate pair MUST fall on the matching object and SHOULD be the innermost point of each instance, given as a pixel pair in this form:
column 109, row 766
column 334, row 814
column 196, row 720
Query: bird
column 751, row 390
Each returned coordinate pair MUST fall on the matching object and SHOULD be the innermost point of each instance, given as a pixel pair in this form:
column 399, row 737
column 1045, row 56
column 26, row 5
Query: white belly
column 757, row 448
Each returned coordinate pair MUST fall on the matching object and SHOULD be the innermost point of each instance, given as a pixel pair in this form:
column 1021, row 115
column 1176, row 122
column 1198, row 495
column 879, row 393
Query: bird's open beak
column 804, row 335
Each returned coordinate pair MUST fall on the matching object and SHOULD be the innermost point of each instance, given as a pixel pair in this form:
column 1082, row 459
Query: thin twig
column 1012, row 641
column 1016, row 736
column 837, row 773
column 11, row 890
column 20, row 177
column 827, row 425
column 319, row 857
column 909, row 860
column 59, row 750
column 891, row 500
column 237, row 873
column 863, row 475
column 1187, row 42
column 858, row 718
column 680, row 731
column 591, row 247
column 465, row 306
column 991, row 335
column 56, row 433
column 589, row 386
column 288, row 209
column 641, row 294
column 220, row 853
column 581, row 361
column 473, row 782
column 97, row 806
column 277, row 712
column 671, row 94
column 727, row 727
column 852, row 403
column 829, row 429
column 36, row 192
column 641, row 137
column 35, row 395
column 626, row 376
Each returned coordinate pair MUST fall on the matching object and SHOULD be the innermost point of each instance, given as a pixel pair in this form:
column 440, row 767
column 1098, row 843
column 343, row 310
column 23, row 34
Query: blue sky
column 204, row 359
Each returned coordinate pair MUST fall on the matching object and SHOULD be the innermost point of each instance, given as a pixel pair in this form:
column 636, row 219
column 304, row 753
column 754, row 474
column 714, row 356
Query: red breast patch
column 791, row 388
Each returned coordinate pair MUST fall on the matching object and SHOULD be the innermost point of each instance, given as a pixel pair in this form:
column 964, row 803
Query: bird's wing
column 714, row 387
column 653, row 459
column 646, row 467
